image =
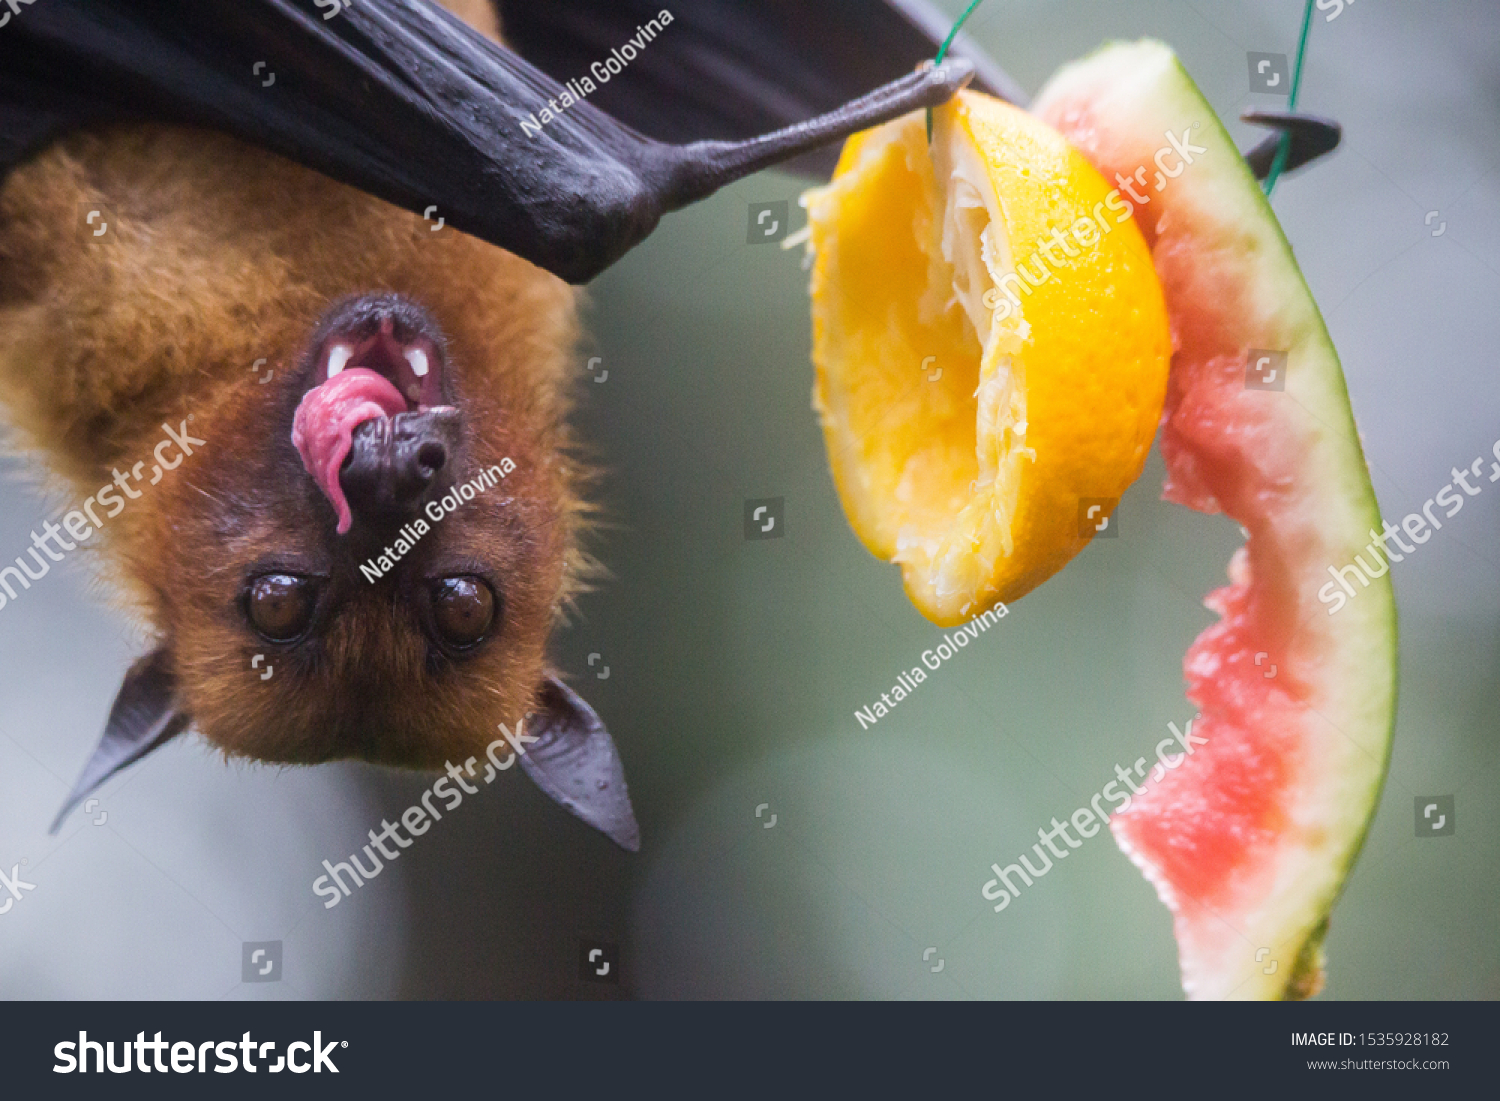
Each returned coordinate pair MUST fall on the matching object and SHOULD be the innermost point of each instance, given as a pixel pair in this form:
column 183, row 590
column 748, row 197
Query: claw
column 1312, row 137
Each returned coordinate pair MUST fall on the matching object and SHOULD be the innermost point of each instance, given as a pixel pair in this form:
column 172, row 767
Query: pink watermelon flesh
column 1248, row 841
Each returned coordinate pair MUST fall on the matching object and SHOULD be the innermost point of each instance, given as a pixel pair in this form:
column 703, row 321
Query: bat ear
column 570, row 756
column 143, row 717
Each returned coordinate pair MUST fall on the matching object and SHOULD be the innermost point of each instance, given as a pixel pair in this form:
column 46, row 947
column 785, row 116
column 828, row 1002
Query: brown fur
column 218, row 255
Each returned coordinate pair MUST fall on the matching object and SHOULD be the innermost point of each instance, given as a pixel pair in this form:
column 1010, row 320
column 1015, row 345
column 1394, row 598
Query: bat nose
column 397, row 464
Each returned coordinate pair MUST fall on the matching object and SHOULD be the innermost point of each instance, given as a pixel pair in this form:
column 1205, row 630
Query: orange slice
column 991, row 348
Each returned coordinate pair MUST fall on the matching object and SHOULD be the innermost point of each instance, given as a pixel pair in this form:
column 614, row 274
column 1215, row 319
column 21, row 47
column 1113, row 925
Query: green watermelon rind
column 1367, row 625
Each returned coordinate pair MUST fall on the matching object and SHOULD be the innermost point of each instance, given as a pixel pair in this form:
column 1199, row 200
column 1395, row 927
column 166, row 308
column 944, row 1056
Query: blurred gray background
column 734, row 666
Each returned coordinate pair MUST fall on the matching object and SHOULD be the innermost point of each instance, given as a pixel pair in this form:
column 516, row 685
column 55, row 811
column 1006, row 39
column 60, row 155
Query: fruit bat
column 223, row 247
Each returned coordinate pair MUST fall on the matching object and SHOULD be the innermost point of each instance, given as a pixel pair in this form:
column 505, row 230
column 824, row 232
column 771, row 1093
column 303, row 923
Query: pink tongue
column 325, row 423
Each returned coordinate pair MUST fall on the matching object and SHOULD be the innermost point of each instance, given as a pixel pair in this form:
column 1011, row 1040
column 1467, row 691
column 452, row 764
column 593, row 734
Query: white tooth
column 418, row 360
column 338, row 359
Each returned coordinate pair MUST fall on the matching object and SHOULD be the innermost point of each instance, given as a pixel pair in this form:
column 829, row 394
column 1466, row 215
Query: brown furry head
column 218, row 258
column 405, row 640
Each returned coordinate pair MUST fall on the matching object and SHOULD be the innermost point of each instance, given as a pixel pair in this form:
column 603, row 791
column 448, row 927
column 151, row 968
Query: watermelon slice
column 1249, row 840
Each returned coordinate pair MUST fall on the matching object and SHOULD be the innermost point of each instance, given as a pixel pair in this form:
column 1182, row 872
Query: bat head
column 388, row 530
column 406, row 657
column 375, row 503
column 369, row 555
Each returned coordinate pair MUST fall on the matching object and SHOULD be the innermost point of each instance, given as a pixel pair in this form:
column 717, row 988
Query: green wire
column 943, row 50
column 1284, row 147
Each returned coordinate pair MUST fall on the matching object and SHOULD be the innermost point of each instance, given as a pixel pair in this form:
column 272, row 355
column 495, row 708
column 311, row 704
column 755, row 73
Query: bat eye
column 463, row 610
column 280, row 606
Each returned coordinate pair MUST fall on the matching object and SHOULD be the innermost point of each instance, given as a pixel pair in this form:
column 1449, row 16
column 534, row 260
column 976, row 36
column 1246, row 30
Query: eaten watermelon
column 1249, row 841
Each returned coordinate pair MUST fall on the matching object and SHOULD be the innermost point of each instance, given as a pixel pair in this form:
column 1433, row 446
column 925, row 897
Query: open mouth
column 409, row 363
column 375, row 360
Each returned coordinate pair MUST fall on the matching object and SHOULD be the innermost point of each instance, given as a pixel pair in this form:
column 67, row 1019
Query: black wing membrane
column 143, row 717
column 731, row 69
column 402, row 100
column 574, row 761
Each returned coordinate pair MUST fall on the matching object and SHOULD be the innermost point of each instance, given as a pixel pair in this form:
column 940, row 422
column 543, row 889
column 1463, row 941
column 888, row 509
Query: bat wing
column 729, row 69
column 144, row 716
column 575, row 762
column 403, row 100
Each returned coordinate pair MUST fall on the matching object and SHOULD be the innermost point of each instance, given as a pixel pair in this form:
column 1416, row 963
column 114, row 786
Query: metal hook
column 1312, row 137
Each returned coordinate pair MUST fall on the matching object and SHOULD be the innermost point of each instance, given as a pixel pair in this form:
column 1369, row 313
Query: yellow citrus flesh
column 991, row 348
